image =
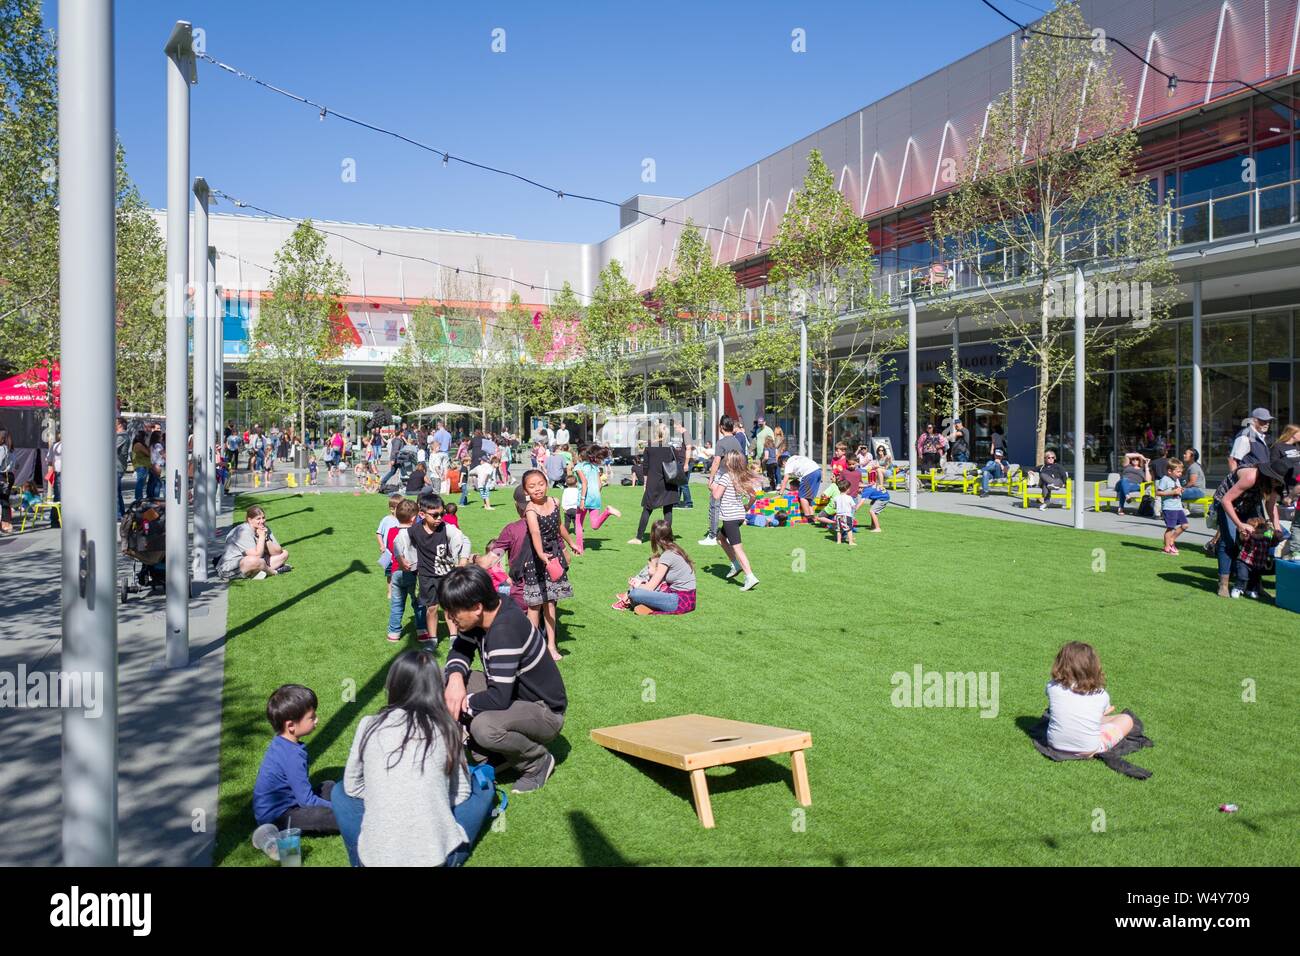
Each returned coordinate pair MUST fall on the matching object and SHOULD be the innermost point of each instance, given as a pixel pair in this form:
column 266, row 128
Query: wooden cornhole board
column 693, row 742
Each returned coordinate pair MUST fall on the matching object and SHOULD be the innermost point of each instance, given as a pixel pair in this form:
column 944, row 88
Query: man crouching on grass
column 515, row 706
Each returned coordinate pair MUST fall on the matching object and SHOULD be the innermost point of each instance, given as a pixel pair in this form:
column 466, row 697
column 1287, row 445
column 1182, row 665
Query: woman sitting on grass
column 1080, row 718
column 407, row 798
column 251, row 549
column 667, row 583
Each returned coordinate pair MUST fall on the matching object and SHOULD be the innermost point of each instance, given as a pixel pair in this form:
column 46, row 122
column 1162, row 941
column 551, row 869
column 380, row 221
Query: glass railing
column 1249, row 212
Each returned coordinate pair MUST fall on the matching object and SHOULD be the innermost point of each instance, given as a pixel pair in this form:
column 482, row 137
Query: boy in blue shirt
column 282, row 794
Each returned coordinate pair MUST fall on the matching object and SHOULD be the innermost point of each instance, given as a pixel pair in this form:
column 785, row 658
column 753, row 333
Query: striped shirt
column 516, row 662
column 730, row 507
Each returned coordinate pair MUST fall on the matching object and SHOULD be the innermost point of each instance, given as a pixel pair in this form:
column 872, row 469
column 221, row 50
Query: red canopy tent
column 29, row 389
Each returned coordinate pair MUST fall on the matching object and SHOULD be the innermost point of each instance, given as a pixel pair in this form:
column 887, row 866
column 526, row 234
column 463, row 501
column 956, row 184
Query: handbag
column 554, row 569
column 674, row 475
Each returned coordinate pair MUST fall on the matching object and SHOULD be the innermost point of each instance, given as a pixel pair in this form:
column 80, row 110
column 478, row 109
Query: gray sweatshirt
column 408, row 819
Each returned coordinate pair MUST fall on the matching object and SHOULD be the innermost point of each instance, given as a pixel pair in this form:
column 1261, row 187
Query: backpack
column 1147, row 507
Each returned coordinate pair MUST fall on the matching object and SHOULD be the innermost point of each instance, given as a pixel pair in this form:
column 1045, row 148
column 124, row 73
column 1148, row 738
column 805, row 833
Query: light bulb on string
column 1173, row 85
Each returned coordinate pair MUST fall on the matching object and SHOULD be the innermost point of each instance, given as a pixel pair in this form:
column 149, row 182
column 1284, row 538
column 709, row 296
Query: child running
column 734, row 480
column 546, row 578
column 845, row 506
column 590, row 475
column 1169, row 497
column 1079, row 709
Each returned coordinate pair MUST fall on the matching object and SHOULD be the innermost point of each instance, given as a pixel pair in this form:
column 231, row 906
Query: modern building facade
column 1236, row 237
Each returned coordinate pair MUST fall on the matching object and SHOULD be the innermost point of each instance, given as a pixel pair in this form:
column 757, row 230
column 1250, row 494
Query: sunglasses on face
column 433, row 514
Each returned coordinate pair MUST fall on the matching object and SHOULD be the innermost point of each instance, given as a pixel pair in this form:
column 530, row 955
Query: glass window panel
column 1156, row 350
column 1272, row 336
column 1099, row 443
column 1273, row 395
column 1227, row 340
column 1185, row 343
column 1146, row 412
column 1218, row 177
column 1225, row 396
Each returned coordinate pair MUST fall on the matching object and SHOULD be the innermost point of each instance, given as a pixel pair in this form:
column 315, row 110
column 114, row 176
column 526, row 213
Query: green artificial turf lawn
column 814, row 648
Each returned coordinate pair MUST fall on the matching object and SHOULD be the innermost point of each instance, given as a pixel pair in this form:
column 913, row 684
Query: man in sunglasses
column 436, row 547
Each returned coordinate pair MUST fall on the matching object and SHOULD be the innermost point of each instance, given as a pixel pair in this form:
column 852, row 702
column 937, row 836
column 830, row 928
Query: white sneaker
column 1042, row 506
column 708, row 541
column 1253, row 594
column 735, row 569
column 1236, row 592
column 751, row 582
column 259, row 575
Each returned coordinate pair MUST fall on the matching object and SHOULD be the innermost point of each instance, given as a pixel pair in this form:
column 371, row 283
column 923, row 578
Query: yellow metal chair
column 36, row 509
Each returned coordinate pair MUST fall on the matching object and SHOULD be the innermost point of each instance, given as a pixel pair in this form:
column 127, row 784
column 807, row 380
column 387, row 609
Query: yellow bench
column 1011, row 483
column 1028, row 491
column 946, row 479
column 1104, row 491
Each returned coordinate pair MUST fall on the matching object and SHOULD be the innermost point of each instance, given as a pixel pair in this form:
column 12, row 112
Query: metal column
column 1197, row 425
column 203, row 464
column 1080, row 431
column 180, row 70
column 805, row 446
column 216, row 385
column 87, row 191
column 956, row 366
column 722, row 387
column 912, row 455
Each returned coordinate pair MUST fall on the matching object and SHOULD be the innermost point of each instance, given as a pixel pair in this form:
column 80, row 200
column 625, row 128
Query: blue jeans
column 990, row 472
column 405, row 585
column 1191, row 494
column 141, row 482
column 663, row 601
column 471, row 814
column 1227, row 549
column 1124, row 488
column 686, row 496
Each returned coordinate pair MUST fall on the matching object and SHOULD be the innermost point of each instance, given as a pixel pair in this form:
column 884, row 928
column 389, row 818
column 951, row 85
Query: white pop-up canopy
column 444, row 408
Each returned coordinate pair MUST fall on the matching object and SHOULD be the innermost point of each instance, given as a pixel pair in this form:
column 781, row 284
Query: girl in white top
column 1080, row 718
column 733, row 480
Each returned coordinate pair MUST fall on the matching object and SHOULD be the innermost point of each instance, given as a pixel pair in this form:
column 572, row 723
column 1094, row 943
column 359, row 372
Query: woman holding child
column 667, row 584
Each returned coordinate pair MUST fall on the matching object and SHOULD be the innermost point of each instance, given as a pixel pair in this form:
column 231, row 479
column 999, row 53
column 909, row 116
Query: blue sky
column 582, row 94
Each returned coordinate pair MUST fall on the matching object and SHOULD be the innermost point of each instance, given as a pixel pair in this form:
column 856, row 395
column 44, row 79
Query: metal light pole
column 912, row 455
column 1080, row 320
column 722, row 386
column 956, row 366
column 805, row 447
column 180, row 73
column 1196, row 367
column 216, row 385
column 202, row 382
column 87, row 190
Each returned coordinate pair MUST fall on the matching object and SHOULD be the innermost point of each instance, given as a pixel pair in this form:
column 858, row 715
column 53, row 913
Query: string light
column 1173, row 79
column 446, row 155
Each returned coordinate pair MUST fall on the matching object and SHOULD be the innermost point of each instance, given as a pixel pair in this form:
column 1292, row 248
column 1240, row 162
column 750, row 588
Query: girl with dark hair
column 590, row 476
column 546, row 577
column 407, row 797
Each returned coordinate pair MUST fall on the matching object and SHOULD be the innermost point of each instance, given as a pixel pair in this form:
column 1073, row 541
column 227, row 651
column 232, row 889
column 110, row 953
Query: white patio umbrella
column 444, row 408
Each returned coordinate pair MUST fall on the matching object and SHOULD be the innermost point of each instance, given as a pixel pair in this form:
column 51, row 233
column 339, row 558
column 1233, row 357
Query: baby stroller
column 144, row 545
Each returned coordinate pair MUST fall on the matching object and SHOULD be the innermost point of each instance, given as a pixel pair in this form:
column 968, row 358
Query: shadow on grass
column 593, row 846
column 356, row 567
column 327, row 531
column 723, row 779
column 1200, row 581
column 1142, row 547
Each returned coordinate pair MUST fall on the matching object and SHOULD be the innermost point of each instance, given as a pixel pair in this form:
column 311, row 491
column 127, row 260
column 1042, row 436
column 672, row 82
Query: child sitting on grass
column 1080, row 718
column 282, row 794
column 1169, row 497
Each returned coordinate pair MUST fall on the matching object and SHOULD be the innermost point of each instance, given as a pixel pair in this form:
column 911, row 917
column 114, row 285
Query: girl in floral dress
column 546, row 578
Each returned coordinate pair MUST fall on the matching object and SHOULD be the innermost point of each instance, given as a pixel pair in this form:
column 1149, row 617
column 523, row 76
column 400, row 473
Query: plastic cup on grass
column 289, row 844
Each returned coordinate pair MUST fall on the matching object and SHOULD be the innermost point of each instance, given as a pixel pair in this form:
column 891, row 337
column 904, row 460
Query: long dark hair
column 415, row 685
column 661, row 540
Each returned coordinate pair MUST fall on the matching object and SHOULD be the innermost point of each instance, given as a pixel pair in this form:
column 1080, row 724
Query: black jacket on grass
column 1113, row 758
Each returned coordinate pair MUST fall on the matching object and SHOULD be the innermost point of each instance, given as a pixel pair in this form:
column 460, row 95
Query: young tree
column 602, row 376
column 29, row 217
column 691, row 293
column 296, row 342
column 1052, row 183
column 821, row 273
column 141, row 322
column 423, row 371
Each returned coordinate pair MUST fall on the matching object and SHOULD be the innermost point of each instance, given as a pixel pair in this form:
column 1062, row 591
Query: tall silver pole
column 1195, row 441
column 912, row 455
column 956, row 366
column 722, row 384
column 202, row 382
column 180, row 66
column 87, row 173
column 1080, row 429
column 215, row 389
column 805, row 446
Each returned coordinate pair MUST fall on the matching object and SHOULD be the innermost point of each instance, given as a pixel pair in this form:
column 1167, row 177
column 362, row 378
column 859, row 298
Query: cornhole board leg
column 799, row 767
column 700, row 790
